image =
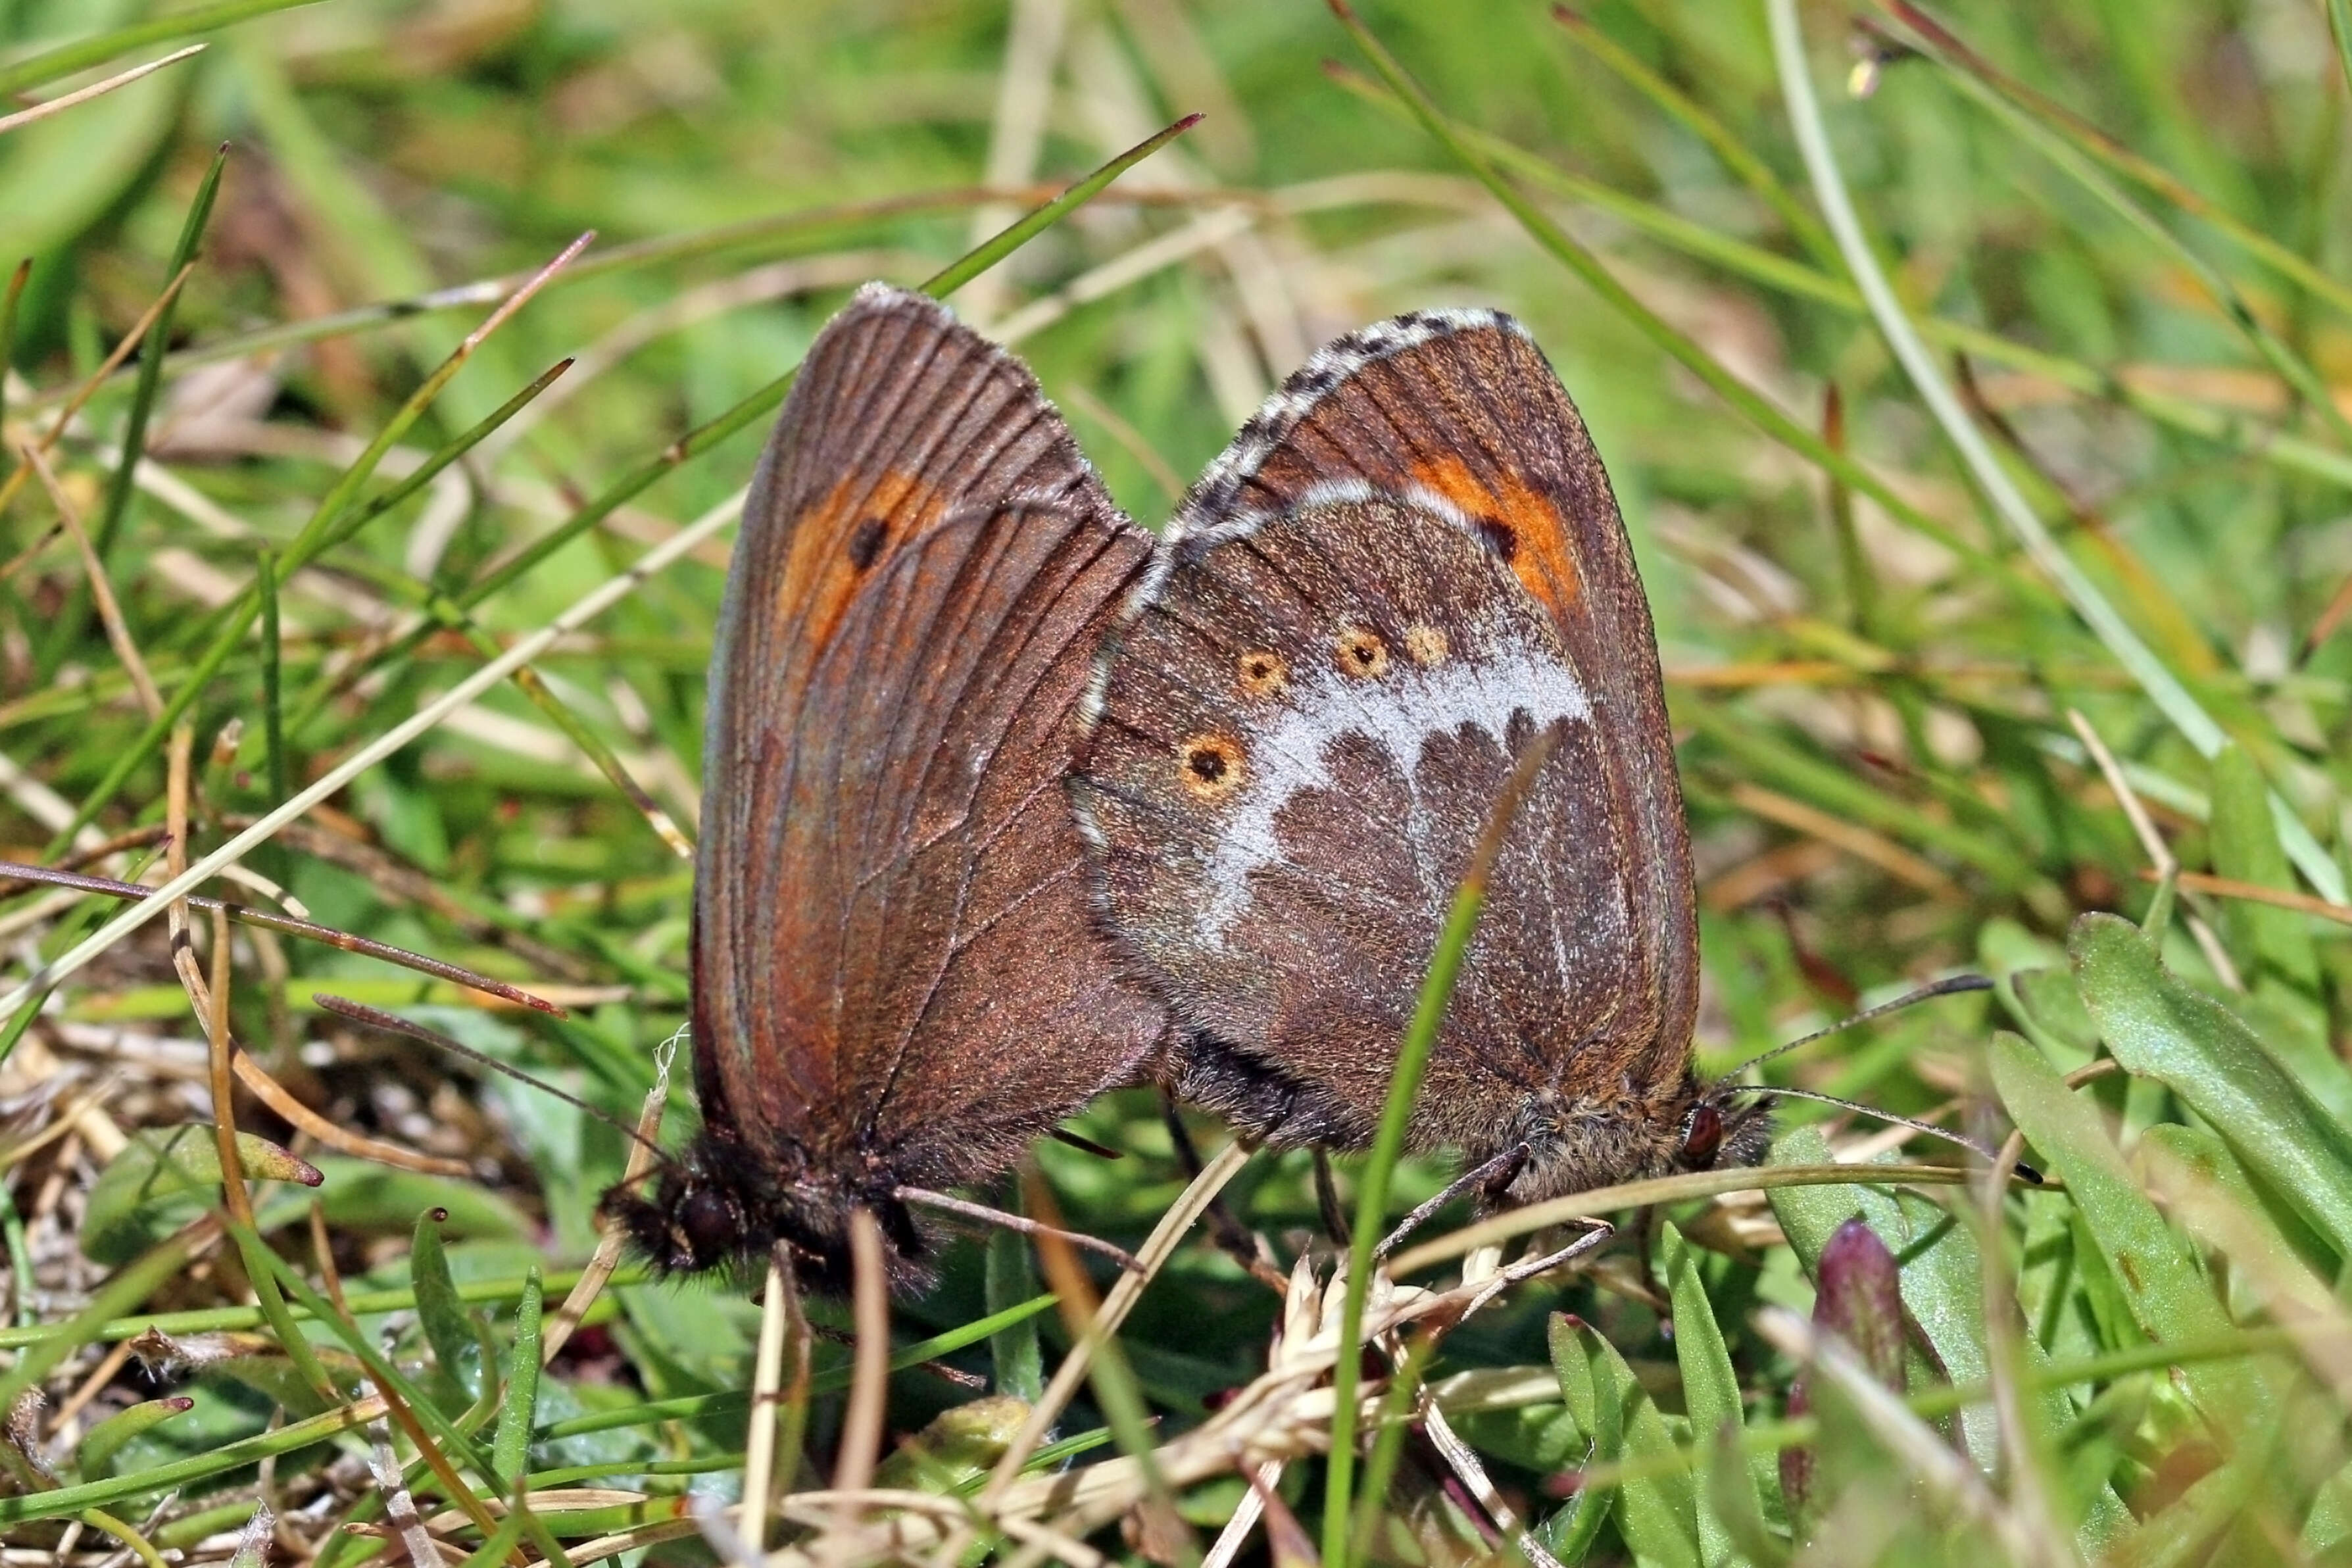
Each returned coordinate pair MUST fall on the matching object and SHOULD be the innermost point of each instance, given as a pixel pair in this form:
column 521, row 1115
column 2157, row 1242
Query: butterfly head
column 1584, row 1143
column 716, row 1208
column 1718, row 1132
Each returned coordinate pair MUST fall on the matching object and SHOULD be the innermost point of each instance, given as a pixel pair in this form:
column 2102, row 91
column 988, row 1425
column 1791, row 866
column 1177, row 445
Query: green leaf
column 2328, row 1526
column 2208, row 1194
column 94, row 1457
column 2165, row 1291
column 959, row 1447
column 62, row 173
column 166, row 1176
column 1658, row 1514
column 448, row 1328
column 2162, row 1028
column 2291, row 1023
column 1711, row 1396
column 1730, row 1493
column 1540, row 1437
column 510, row 1445
column 362, row 1195
column 1568, row 1533
column 2030, row 978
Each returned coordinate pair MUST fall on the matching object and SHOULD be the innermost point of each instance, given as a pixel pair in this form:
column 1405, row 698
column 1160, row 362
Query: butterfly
column 1405, row 568
column 895, row 984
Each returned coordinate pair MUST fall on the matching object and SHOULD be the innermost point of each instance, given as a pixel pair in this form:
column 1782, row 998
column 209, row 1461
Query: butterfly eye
column 707, row 1225
column 1701, row 1136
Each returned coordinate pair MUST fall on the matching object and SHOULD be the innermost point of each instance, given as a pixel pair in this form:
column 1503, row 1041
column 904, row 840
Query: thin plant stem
column 1389, row 1141
column 64, row 101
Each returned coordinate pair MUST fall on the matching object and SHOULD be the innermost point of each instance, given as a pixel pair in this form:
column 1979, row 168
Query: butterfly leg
column 1490, row 1177
column 1327, row 1198
column 1026, row 1226
column 1245, row 1246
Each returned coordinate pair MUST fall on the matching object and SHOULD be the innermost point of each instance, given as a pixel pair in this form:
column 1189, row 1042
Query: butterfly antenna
column 1950, row 985
column 1973, row 1145
column 394, row 1024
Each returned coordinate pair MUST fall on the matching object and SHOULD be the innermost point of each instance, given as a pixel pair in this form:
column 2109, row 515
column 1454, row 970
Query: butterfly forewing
column 1402, row 569
column 926, row 566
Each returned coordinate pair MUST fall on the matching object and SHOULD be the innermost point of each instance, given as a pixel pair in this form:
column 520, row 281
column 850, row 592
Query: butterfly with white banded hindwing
column 1404, row 569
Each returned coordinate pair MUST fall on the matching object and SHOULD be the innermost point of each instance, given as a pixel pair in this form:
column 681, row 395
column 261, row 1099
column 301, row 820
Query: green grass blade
column 1389, row 1140
column 1727, row 144
column 273, row 722
column 67, row 58
column 1011, row 1279
column 1393, row 1425
column 1371, row 1204
column 9, row 301
column 2339, row 28
column 2246, row 848
column 150, row 363
column 1037, row 221
column 2150, row 672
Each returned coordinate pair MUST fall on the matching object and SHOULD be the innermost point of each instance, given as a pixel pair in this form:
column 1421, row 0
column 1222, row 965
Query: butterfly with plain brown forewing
column 1407, row 566
column 895, row 984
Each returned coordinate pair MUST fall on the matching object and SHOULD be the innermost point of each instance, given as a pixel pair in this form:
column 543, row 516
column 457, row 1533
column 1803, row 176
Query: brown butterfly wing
column 893, row 968
column 1428, row 484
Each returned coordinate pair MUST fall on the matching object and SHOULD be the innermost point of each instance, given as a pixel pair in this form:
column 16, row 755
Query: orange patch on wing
column 1529, row 532
column 843, row 539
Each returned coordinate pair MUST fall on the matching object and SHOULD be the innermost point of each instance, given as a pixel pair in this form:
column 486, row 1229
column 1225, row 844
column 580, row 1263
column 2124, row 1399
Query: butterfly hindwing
column 1404, row 567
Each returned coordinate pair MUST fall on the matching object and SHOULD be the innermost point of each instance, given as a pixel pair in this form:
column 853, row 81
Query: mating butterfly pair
column 1006, row 805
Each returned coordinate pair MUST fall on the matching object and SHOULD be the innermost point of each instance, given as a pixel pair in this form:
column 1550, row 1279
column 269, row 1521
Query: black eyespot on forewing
column 1499, row 537
column 866, row 541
